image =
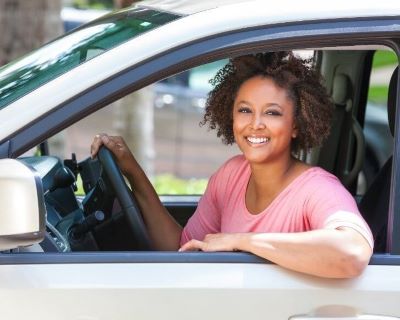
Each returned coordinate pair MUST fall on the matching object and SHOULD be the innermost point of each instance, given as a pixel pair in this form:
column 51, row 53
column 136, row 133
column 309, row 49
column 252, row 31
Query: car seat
column 374, row 206
column 345, row 165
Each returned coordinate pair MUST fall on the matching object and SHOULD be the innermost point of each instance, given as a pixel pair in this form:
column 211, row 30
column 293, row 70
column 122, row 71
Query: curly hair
column 313, row 105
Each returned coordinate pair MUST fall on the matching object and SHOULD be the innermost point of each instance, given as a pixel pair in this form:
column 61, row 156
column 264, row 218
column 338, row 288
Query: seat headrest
column 391, row 103
column 341, row 89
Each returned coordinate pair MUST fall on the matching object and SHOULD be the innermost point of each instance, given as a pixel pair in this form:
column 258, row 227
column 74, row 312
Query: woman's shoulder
column 320, row 173
column 229, row 178
column 317, row 178
column 234, row 163
column 233, row 168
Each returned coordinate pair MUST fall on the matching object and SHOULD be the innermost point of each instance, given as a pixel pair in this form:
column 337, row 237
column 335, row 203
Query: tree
column 26, row 25
column 134, row 120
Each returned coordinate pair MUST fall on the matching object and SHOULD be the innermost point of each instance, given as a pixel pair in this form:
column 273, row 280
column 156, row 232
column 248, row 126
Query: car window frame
column 322, row 33
column 393, row 240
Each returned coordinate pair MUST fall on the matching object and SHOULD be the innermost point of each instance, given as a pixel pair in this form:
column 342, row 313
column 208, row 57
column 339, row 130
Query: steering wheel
column 126, row 199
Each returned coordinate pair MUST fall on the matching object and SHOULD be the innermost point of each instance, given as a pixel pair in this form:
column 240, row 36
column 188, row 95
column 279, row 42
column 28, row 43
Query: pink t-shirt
column 314, row 200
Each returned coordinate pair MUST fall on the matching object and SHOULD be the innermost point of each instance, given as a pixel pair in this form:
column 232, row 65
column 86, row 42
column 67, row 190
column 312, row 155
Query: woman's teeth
column 257, row 140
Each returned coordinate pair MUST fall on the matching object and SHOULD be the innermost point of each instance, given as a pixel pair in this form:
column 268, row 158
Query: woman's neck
column 270, row 176
column 268, row 180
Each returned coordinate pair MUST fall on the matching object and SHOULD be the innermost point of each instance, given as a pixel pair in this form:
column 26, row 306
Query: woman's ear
column 294, row 131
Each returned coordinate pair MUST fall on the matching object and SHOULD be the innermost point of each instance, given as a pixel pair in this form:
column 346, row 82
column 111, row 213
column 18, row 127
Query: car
column 71, row 256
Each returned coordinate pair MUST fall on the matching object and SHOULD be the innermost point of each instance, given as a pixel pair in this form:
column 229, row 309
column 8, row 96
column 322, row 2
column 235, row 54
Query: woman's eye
column 244, row 110
column 273, row 113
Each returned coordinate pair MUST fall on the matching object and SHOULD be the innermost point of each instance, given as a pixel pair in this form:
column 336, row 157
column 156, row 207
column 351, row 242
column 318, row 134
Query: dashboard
column 72, row 221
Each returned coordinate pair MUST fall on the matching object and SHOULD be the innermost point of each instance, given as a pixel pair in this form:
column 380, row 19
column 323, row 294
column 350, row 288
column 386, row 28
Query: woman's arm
column 331, row 253
column 164, row 231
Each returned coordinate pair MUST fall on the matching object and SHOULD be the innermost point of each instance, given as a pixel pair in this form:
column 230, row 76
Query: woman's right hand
column 118, row 147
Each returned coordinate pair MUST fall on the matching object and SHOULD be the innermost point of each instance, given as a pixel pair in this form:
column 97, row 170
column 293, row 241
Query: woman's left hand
column 214, row 242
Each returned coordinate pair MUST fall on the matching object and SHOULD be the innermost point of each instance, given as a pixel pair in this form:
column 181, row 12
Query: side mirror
column 22, row 208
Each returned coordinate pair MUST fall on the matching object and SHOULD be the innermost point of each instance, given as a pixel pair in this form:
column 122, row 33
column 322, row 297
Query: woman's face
column 263, row 121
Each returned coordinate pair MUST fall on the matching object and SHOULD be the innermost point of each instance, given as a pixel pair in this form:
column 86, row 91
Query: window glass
column 67, row 52
column 379, row 141
column 383, row 64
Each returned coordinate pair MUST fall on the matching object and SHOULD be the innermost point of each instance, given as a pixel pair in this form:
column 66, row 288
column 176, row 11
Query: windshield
column 63, row 54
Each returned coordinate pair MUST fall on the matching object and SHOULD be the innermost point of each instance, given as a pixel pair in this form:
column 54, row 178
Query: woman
column 264, row 201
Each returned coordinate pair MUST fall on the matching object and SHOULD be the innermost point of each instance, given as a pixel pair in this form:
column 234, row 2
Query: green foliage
column 79, row 184
column 378, row 94
column 384, row 58
column 93, row 4
column 167, row 184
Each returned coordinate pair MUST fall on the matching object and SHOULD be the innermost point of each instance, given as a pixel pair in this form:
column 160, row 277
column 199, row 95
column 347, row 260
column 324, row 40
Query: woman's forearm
column 164, row 231
column 337, row 253
column 332, row 253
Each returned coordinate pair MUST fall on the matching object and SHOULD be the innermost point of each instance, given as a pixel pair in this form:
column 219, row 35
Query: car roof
column 286, row 8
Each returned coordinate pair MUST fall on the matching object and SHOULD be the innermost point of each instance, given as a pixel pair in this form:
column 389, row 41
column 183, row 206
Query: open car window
column 160, row 123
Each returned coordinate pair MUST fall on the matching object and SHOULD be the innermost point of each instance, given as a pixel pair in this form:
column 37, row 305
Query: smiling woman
column 265, row 201
column 263, row 129
column 313, row 107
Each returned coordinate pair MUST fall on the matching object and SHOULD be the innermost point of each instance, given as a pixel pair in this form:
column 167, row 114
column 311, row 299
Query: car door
column 159, row 285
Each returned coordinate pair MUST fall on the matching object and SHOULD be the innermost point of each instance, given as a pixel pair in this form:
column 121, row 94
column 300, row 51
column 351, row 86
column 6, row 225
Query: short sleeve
column 331, row 206
column 348, row 219
column 206, row 219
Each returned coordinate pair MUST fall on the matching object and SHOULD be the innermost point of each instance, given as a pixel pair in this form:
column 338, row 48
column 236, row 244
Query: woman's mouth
column 258, row 140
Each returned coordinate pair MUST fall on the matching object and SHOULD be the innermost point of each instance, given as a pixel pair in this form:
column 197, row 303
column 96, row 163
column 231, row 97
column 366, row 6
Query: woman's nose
column 258, row 122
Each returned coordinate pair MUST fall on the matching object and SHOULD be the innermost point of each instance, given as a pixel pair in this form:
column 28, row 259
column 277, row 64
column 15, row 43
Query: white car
column 92, row 259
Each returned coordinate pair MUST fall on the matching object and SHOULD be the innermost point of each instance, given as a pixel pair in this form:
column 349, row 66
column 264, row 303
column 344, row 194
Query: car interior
column 374, row 205
column 106, row 216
